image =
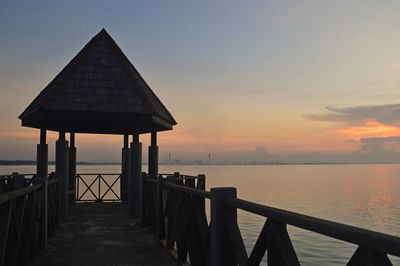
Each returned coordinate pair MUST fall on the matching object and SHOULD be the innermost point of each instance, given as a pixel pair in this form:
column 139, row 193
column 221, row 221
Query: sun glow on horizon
column 371, row 128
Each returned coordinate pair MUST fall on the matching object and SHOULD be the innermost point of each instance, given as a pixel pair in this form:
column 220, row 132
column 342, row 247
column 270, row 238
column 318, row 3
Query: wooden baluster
column 180, row 222
column 199, row 235
column 201, row 182
column 43, row 206
column 98, row 197
column 280, row 248
column 367, row 257
column 201, row 220
column 77, row 187
column 5, row 217
column 235, row 237
column 188, row 222
column 190, row 182
column 3, row 186
column 260, row 247
column 160, row 220
column 171, row 206
column 154, row 205
column 146, row 208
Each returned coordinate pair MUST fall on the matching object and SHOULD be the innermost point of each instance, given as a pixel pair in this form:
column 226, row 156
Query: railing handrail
column 178, row 176
column 17, row 193
column 22, row 191
column 378, row 241
column 10, row 175
column 189, row 190
column 373, row 240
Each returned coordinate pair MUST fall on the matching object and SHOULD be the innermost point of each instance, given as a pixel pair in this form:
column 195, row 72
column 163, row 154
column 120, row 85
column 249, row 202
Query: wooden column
column 125, row 163
column 153, row 156
column 135, row 180
column 153, row 173
column 42, row 155
column 72, row 169
column 62, row 173
column 218, row 232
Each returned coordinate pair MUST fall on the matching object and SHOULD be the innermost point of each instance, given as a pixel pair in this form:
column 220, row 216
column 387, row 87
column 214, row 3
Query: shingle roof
column 99, row 80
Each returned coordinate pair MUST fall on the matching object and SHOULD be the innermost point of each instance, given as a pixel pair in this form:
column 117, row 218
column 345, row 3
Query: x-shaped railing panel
column 99, row 189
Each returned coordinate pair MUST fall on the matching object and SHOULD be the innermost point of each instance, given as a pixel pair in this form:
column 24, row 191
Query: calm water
column 367, row 196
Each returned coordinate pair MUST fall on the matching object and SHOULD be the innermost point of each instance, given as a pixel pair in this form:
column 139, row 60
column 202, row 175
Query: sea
column 363, row 195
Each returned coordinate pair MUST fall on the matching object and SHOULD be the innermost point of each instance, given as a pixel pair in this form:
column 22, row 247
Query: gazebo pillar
column 153, row 173
column 72, row 169
column 41, row 178
column 153, row 156
column 62, row 172
column 125, row 163
column 135, row 180
column 42, row 155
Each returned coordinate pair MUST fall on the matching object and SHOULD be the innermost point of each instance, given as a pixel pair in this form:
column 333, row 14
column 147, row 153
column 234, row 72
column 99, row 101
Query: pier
column 133, row 217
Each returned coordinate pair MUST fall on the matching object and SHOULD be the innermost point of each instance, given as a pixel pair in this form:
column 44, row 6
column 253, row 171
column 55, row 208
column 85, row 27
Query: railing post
column 18, row 181
column 44, row 219
column 145, row 191
column 55, row 176
column 218, row 195
column 160, row 227
column 177, row 175
column 201, row 182
column 170, row 201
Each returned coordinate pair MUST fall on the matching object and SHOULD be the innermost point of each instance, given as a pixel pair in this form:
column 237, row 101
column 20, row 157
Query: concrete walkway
column 103, row 234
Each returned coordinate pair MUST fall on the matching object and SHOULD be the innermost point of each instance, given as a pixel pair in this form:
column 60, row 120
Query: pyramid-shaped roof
column 99, row 91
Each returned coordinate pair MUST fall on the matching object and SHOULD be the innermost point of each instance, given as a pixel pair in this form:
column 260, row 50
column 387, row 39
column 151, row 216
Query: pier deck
column 103, row 234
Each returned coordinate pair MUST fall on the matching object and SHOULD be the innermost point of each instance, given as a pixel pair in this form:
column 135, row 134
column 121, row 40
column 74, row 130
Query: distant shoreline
column 28, row 162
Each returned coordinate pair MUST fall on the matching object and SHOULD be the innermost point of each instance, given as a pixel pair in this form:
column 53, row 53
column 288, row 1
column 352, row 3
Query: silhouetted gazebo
column 99, row 92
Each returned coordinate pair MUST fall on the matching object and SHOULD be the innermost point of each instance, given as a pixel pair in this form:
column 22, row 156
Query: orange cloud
column 371, row 128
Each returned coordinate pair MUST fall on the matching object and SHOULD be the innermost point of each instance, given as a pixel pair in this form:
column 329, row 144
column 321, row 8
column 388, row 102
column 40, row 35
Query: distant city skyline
column 307, row 82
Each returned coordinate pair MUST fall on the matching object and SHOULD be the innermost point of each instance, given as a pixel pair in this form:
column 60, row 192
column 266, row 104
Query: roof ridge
column 60, row 77
column 131, row 67
column 75, row 61
column 126, row 61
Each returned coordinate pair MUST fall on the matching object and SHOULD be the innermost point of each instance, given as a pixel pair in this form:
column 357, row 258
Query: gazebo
column 98, row 92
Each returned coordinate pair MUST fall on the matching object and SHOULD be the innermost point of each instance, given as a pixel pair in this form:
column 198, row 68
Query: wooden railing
column 98, row 187
column 90, row 187
column 27, row 216
column 158, row 198
column 14, row 181
column 174, row 208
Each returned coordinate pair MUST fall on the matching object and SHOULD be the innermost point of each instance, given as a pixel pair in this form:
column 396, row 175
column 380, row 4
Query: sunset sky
column 296, row 77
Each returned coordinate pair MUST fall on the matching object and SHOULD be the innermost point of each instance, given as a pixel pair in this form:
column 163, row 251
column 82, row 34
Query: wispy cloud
column 381, row 147
column 394, row 139
column 388, row 114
